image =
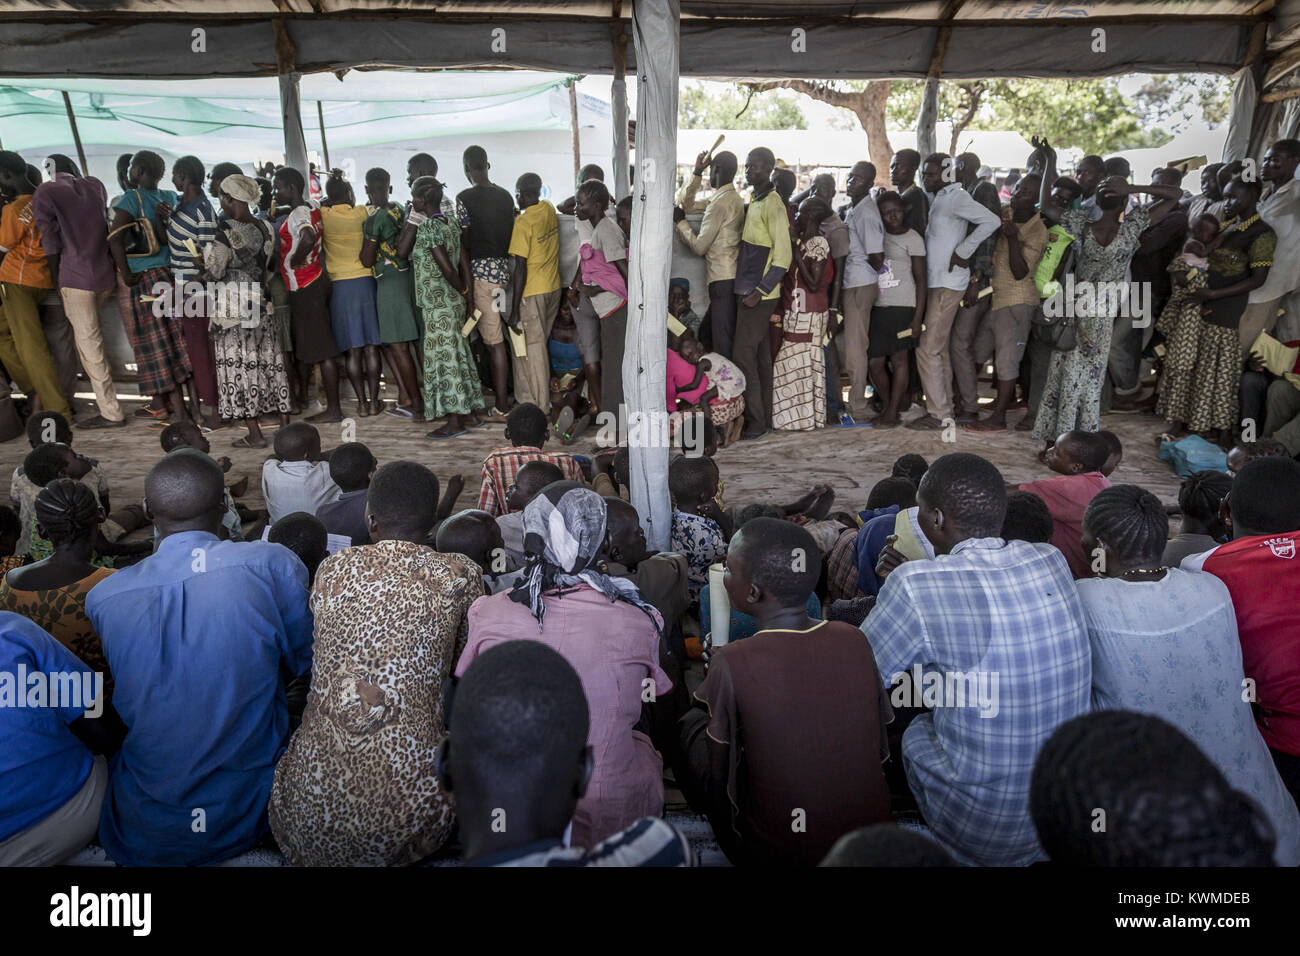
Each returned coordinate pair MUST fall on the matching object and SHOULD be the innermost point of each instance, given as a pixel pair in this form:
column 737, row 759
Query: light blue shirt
column 952, row 211
column 866, row 238
column 993, row 609
column 196, row 636
column 1169, row 648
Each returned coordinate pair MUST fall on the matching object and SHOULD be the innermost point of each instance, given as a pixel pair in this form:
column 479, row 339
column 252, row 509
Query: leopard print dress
column 356, row 786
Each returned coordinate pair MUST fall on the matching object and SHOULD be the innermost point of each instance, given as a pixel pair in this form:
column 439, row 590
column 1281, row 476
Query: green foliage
column 1090, row 114
column 717, row 108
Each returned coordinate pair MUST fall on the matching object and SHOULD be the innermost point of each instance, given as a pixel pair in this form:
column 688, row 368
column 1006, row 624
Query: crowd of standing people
column 955, row 672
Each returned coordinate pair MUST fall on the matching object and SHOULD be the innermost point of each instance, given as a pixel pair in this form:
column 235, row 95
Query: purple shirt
column 70, row 213
column 614, row 647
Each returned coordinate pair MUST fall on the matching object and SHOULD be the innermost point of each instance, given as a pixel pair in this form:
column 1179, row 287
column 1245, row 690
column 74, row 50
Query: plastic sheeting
column 654, row 28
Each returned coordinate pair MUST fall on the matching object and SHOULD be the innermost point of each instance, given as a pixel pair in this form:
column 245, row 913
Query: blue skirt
column 353, row 314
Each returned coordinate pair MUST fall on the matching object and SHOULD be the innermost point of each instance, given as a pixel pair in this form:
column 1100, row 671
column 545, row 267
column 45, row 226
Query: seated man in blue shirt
column 517, row 757
column 989, row 635
column 51, row 781
column 199, row 637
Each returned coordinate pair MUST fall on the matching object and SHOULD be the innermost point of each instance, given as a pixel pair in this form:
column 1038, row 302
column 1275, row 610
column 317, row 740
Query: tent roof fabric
column 723, row 38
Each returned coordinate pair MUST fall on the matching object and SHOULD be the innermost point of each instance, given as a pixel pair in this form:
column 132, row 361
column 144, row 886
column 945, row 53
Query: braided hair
column 67, row 511
column 1132, row 521
column 1165, row 802
column 1201, row 493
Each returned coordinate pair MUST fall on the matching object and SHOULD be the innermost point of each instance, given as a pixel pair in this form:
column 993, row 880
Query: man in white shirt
column 949, row 244
column 718, row 241
column 1280, row 208
column 858, row 295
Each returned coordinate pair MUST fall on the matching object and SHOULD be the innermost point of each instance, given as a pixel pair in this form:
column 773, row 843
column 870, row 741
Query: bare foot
column 325, row 417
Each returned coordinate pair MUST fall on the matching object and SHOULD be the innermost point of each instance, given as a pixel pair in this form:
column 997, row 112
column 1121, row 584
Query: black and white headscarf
column 564, row 531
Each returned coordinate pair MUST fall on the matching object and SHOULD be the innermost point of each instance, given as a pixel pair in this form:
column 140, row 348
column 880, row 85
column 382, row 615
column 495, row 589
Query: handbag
column 138, row 235
column 1057, row 332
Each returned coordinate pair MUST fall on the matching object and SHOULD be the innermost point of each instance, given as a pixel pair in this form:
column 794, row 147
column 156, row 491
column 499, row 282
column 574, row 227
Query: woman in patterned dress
column 1072, row 393
column 1180, row 322
column 442, row 281
column 251, row 378
column 1240, row 257
column 799, row 371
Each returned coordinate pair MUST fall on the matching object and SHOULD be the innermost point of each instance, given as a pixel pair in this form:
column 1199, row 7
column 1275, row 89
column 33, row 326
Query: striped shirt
column 648, row 842
column 991, row 610
column 193, row 220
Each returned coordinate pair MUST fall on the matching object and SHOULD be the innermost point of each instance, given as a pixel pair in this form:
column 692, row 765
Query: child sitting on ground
column 532, row 478
column 188, row 435
column 351, row 467
column 297, row 478
column 43, row 428
column 1077, row 457
column 773, row 698
column 475, row 534
column 679, row 305
column 700, row 528
column 567, row 377
column 305, row 536
column 47, row 462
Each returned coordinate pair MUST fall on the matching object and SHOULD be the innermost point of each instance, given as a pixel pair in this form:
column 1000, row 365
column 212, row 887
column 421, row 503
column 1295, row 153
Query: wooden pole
column 76, row 136
column 324, row 146
column 573, row 125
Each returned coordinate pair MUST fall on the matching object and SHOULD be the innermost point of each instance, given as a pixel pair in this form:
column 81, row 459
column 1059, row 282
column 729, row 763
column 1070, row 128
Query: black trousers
column 753, row 355
column 721, row 316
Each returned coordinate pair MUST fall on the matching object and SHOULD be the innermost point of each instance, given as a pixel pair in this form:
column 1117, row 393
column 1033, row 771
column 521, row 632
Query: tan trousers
column 23, row 348
column 82, row 308
column 856, row 305
column 533, row 372
column 1258, row 317
column 66, row 831
column 486, row 296
column 933, row 358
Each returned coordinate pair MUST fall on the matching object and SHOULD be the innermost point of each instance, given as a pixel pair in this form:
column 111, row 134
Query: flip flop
column 399, row 411
column 157, row 414
column 983, row 427
column 564, row 422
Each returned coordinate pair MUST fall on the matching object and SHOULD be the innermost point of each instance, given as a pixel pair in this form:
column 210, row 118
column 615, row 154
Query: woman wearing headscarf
column 606, row 631
column 251, row 377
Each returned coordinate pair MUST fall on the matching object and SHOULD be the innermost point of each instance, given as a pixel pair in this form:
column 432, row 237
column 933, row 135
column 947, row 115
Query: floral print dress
column 1072, row 393
column 451, row 385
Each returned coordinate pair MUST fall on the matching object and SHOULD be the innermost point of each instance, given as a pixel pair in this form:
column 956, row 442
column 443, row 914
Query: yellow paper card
column 517, row 339
column 675, row 325
column 472, row 321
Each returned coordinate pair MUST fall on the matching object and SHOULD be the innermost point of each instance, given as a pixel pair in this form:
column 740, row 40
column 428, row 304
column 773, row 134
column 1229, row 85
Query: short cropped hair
column 970, row 491
column 781, row 557
column 1028, row 518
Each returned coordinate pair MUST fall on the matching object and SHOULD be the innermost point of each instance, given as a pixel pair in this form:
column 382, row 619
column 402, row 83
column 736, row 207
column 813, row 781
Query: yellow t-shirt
column 536, row 237
column 342, row 239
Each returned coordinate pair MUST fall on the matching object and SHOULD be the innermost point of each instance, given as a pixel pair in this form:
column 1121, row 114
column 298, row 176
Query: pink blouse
column 614, row 647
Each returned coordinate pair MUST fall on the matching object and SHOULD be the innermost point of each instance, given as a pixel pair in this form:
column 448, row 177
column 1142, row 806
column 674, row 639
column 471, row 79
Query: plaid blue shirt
column 999, row 608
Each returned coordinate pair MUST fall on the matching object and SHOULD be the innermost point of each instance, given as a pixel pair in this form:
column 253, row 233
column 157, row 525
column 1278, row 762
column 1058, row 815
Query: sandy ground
column 776, row 469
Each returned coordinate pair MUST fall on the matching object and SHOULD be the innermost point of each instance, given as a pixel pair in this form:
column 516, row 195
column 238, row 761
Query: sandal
column 157, row 414
column 434, row 436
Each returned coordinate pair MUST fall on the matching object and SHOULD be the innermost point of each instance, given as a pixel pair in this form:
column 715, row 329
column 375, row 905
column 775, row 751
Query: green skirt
column 395, row 302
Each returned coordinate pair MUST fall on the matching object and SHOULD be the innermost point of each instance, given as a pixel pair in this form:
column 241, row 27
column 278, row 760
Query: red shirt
column 1067, row 497
column 1263, row 576
column 288, row 229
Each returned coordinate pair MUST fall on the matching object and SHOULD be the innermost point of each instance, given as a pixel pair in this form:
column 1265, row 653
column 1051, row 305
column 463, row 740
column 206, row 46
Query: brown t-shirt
column 803, row 715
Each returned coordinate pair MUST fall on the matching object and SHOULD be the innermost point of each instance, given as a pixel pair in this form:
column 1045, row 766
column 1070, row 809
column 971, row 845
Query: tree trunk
column 870, row 111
